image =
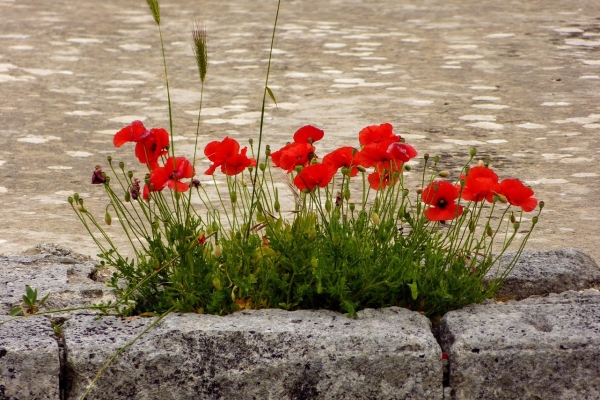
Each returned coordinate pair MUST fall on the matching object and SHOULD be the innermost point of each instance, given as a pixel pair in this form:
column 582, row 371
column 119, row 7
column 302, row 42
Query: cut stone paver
column 538, row 348
column 541, row 272
column 269, row 354
column 29, row 360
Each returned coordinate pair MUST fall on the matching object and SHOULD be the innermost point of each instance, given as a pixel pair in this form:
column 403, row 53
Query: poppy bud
column 76, row 197
column 480, row 163
column 541, row 204
column 352, row 206
column 268, row 151
column 121, row 165
column 436, row 159
column 361, row 168
column 375, row 218
column 489, row 231
column 216, row 282
column 473, row 151
column 262, row 167
column 109, row 159
column 426, row 156
column 347, row 194
column 345, row 171
column 444, row 174
column 512, row 218
column 251, row 141
column 277, row 206
column 233, row 196
column 70, row 200
column 407, row 167
column 328, row 205
column 516, row 225
column 502, row 198
column 471, row 226
column 107, row 218
column 534, row 220
column 404, row 192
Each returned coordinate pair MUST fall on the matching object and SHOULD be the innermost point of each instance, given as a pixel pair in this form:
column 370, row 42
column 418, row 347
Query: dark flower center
column 441, row 203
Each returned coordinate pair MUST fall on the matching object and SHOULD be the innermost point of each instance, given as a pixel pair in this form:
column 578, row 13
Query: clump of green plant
column 354, row 237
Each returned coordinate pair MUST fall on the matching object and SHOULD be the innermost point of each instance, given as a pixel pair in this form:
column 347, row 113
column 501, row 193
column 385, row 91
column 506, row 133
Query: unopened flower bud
column 489, row 231
column 436, row 159
column 480, row 163
column 473, row 151
column 352, row 206
column 375, row 218
column 512, row 218
column 251, row 141
column 328, row 205
column 298, row 168
column 233, row 196
column 127, row 197
column 76, row 196
column 541, row 204
column 347, row 194
column 426, row 156
column 471, row 226
column 444, row 174
column 361, row 168
column 534, row 220
column 407, row 167
column 419, row 190
column 107, row 218
column 70, row 200
column 262, row 167
column 277, row 206
column 121, row 165
column 516, row 225
column 109, row 159
column 345, row 171
column 404, row 192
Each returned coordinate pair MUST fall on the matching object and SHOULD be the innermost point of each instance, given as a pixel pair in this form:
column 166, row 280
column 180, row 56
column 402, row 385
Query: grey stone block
column 544, row 272
column 29, row 360
column 538, row 348
column 50, row 269
column 267, row 354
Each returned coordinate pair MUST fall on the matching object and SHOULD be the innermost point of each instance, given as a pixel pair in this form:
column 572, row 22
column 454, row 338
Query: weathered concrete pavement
column 519, row 80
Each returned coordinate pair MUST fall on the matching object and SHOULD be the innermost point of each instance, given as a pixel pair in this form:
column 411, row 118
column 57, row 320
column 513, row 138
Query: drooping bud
column 233, row 196
column 361, row 168
column 127, row 197
column 489, row 231
column 502, row 198
column 328, row 205
column 471, row 226
column 444, row 174
column 407, row 167
column 107, row 218
column 512, row 218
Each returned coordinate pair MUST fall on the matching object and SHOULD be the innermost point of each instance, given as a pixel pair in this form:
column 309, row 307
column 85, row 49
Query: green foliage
column 30, row 305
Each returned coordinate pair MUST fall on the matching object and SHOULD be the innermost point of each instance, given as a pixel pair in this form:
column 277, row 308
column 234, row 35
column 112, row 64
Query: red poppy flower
column 480, row 183
column 171, row 174
column 344, row 157
column 385, row 174
column 219, row 151
column 236, row 163
column 375, row 134
column 314, row 175
column 441, row 197
column 402, row 151
column 518, row 194
column 308, row 134
column 293, row 154
column 150, row 144
column 377, row 152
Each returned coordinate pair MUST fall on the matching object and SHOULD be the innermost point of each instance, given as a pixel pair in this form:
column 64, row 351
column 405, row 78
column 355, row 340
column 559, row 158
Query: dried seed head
column 199, row 47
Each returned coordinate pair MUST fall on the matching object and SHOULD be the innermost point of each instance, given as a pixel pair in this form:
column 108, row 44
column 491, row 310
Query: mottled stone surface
column 270, row 354
column 538, row 348
column 50, row 269
column 519, row 80
column 29, row 360
column 547, row 271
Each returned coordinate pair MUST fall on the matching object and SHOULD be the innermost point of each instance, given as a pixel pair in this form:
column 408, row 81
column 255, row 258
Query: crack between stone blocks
column 447, row 391
column 57, row 324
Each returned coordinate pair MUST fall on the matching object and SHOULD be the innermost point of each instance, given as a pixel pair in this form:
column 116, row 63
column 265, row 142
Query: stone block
column 538, row 348
column 268, row 354
column 29, row 360
column 50, row 269
column 544, row 272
